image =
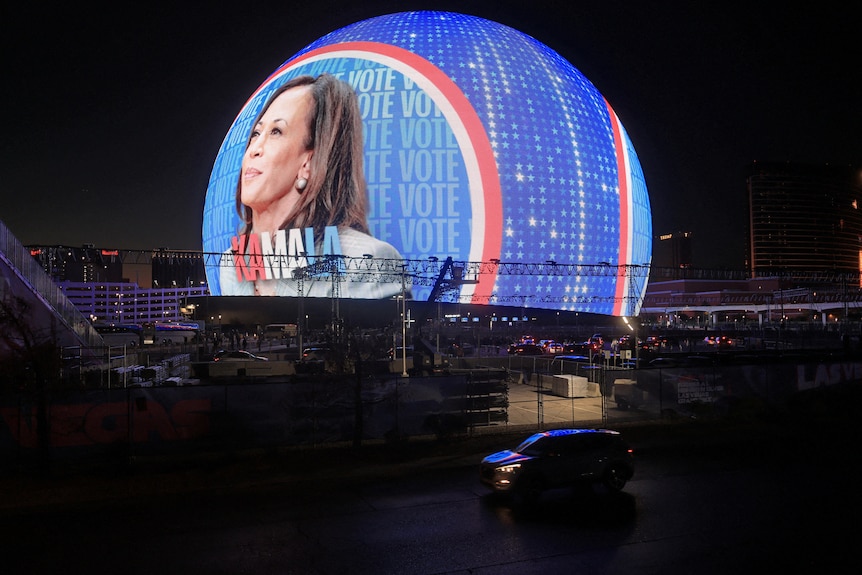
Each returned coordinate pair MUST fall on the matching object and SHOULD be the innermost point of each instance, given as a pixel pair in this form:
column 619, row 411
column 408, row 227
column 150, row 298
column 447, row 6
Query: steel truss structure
column 446, row 276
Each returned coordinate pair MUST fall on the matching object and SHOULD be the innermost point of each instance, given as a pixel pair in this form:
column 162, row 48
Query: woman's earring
column 301, row 183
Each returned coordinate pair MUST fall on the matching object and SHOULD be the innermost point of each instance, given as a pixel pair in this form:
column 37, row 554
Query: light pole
column 403, row 321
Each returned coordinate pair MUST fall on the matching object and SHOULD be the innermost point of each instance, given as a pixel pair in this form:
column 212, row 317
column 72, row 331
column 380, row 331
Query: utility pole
column 403, row 321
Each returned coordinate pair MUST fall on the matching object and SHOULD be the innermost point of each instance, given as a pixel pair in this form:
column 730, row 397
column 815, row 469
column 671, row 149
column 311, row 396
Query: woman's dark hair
column 335, row 194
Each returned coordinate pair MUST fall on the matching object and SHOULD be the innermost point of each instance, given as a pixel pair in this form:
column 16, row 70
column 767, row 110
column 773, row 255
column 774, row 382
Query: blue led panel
column 481, row 144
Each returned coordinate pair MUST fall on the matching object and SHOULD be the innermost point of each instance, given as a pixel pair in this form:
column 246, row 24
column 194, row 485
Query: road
column 704, row 500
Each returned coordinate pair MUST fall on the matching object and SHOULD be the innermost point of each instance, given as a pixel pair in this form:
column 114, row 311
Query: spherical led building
column 483, row 148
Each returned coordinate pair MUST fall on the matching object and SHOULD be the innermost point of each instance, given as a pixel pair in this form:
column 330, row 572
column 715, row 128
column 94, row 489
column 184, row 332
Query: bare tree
column 29, row 364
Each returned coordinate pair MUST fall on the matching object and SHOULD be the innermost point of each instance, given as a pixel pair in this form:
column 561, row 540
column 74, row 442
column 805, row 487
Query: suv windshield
column 564, row 443
column 531, row 446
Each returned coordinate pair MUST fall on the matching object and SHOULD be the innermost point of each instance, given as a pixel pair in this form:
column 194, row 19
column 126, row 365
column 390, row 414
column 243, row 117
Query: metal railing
column 18, row 260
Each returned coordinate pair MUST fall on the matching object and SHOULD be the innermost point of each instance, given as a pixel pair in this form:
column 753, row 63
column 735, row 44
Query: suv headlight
column 513, row 468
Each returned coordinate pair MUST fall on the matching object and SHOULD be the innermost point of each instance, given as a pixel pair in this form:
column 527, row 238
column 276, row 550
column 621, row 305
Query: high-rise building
column 127, row 286
column 672, row 250
column 160, row 268
column 84, row 264
column 804, row 218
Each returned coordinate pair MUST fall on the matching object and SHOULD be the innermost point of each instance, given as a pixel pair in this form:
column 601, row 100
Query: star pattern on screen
column 551, row 137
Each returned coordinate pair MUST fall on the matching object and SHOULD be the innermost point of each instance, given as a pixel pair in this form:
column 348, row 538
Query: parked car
column 316, row 353
column 628, row 342
column 559, row 458
column 526, row 349
column 582, row 348
column 553, row 347
column 237, row 355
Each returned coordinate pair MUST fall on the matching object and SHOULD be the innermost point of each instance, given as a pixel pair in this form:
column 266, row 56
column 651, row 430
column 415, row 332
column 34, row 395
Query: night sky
column 112, row 119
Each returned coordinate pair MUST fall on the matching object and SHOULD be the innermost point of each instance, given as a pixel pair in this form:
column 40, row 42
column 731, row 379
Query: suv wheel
column 615, row 478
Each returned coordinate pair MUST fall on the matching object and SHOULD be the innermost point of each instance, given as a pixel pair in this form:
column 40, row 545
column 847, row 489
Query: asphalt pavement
column 68, row 484
column 71, row 482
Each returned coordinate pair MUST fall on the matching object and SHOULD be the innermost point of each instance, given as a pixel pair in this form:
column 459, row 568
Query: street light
column 403, row 321
column 633, row 327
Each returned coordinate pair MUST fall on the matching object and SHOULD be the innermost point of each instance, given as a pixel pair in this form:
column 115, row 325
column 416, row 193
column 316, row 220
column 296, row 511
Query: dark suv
column 316, row 353
column 559, row 458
